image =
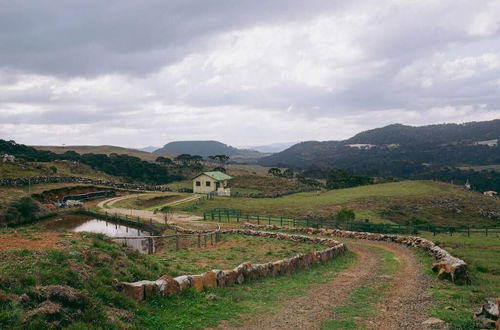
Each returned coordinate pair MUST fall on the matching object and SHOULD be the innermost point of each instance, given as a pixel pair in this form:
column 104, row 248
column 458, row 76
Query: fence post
column 205, row 239
column 219, row 216
column 269, row 220
column 150, row 245
column 281, row 221
column 211, row 239
column 486, row 231
column 204, row 216
column 176, row 242
column 238, row 218
column 468, row 231
column 307, row 222
column 199, row 240
column 293, row 219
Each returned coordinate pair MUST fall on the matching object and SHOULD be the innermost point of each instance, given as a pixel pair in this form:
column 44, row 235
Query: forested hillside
column 429, row 152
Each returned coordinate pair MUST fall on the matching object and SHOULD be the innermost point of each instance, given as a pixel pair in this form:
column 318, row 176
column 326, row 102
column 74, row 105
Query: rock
column 184, row 281
column 169, row 287
column 197, row 282
column 231, row 276
column 210, row 280
column 151, row 289
column 133, row 290
column 489, row 310
column 240, row 279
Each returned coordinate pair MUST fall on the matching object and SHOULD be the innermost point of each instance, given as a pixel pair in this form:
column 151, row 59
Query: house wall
column 203, row 189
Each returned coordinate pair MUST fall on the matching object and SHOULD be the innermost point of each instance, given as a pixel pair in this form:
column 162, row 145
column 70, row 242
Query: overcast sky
column 138, row 73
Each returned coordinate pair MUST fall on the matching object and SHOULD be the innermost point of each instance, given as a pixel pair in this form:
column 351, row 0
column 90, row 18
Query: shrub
column 344, row 215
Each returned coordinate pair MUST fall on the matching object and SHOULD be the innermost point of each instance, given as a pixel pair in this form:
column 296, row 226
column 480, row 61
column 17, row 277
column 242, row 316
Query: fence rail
column 153, row 242
column 237, row 216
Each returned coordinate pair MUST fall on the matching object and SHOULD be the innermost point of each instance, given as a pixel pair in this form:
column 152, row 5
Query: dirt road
column 404, row 306
column 185, row 220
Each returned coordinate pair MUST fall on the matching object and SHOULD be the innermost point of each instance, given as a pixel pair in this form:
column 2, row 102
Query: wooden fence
column 237, row 216
column 176, row 241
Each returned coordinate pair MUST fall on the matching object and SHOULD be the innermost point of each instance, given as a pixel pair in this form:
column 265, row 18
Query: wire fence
column 237, row 216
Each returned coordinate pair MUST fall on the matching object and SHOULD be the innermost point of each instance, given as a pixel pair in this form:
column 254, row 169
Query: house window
column 208, row 183
column 198, row 183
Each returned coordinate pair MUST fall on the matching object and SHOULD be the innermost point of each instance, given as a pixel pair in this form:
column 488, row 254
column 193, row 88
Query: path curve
column 178, row 218
column 404, row 307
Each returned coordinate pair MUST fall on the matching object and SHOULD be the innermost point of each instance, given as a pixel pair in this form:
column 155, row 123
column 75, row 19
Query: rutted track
column 404, row 306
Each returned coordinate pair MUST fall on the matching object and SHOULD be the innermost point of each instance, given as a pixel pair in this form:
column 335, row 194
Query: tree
column 221, row 159
column 163, row 160
column 344, row 215
column 168, row 214
column 288, row 173
column 274, row 171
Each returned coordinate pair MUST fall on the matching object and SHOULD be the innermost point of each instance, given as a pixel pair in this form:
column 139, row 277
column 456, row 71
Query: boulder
column 169, row 287
column 151, row 289
column 183, row 281
column 197, row 282
column 133, row 290
column 209, row 280
column 231, row 276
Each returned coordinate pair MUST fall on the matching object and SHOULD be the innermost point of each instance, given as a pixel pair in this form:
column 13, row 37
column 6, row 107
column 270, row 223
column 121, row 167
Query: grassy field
column 397, row 202
column 455, row 304
column 90, row 263
column 149, row 201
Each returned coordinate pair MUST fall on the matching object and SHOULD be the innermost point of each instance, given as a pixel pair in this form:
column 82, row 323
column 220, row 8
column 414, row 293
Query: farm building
column 212, row 182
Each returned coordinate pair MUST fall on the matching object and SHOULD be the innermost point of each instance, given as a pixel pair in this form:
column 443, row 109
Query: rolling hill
column 206, row 148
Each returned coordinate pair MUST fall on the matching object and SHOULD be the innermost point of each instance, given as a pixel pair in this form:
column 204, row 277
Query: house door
column 217, row 185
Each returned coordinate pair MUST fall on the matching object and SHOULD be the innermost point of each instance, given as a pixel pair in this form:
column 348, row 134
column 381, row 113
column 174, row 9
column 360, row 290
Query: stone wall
column 80, row 180
column 446, row 265
column 167, row 285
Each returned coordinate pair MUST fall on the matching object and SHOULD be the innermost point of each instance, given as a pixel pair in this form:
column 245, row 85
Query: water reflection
column 110, row 229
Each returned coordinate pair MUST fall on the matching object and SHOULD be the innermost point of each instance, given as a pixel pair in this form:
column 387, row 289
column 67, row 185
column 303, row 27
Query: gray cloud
column 154, row 70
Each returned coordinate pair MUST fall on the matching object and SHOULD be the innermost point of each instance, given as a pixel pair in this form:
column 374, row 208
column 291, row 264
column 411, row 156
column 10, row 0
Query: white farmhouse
column 214, row 182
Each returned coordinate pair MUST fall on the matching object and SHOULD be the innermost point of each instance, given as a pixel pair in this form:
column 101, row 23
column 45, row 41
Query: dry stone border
column 167, row 285
column 447, row 266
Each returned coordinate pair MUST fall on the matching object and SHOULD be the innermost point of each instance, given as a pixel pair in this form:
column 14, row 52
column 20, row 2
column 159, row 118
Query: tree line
column 129, row 167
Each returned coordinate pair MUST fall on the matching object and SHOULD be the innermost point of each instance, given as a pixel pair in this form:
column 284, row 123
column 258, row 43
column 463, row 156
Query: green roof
column 217, row 175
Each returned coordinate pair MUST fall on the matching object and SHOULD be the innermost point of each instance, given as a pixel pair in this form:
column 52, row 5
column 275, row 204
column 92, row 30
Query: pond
column 79, row 223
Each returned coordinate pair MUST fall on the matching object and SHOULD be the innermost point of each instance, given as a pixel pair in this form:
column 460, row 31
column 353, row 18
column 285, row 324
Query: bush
column 344, row 215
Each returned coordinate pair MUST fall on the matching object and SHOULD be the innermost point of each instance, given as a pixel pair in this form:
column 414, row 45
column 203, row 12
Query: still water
column 78, row 223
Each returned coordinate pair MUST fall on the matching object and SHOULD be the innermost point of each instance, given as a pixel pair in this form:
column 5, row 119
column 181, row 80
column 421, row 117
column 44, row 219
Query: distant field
column 397, row 202
column 147, row 156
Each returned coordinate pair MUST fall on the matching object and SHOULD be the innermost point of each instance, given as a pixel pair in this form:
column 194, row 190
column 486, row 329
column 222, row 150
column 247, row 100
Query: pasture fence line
column 237, row 216
column 178, row 240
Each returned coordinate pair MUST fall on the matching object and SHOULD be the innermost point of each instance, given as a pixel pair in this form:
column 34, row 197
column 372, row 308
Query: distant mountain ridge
column 271, row 148
column 398, row 149
column 205, row 149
